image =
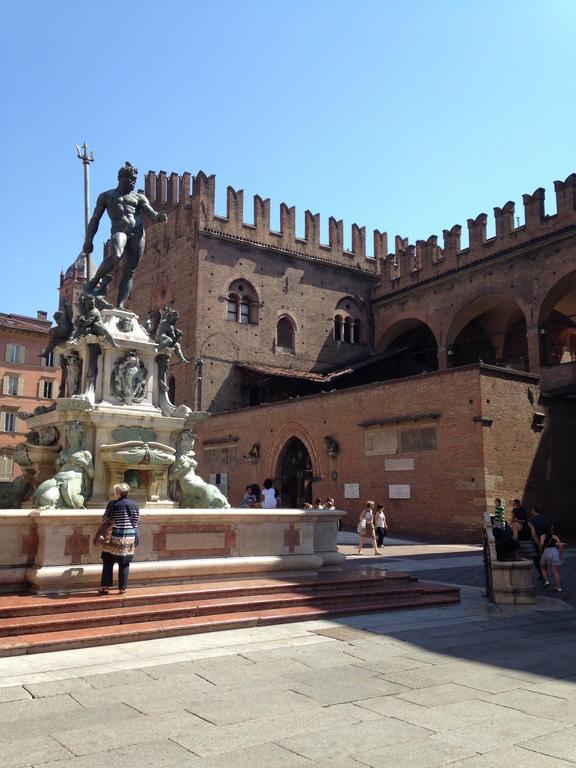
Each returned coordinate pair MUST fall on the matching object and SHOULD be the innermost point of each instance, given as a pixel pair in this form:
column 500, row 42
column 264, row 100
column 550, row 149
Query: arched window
column 338, row 328
column 242, row 303
column 349, row 321
column 285, row 335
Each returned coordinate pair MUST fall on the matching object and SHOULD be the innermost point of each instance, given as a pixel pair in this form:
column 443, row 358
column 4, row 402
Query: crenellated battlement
column 166, row 191
column 413, row 264
column 408, row 265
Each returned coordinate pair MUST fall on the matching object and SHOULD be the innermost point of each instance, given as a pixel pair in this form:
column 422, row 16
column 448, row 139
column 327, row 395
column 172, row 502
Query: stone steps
column 31, row 624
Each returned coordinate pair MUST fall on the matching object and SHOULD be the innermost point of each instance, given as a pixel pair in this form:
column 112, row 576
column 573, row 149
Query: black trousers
column 379, row 536
column 108, row 561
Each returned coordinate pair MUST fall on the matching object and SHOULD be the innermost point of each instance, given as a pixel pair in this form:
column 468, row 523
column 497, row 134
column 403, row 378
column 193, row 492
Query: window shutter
column 22, row 355
column 6, row 385
column 7, row 355
column 20, row 385
column 40, row 387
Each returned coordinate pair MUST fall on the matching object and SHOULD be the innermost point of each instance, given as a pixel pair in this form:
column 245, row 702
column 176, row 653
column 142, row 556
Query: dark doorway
column 295, row 475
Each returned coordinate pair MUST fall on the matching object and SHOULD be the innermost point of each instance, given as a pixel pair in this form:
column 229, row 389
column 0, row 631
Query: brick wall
column 451, row 486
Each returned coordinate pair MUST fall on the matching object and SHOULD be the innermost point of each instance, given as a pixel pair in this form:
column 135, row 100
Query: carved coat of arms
column 129, row 379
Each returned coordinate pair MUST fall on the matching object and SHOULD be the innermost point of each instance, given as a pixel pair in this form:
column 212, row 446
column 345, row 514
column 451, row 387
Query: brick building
column 28, row 381
column 434, row 377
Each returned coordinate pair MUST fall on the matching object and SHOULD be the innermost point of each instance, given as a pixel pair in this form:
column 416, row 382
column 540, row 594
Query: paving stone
column 116, row 678
column 565, row 689
column 337, row 692
column 143, row 694
column 212, row 740
column 561, row 744
column 32, row 709
column 441, row 718
column 356, row 713
column 248, row 672
column 528, row 701
column 515, row 756
column 153, row 754
column 83, row 741
column 250, row 704
column 345, row 741
column 503, row 733
column 436, row 695
column 30, row 751
column 420, row 753
column 52, row 721
column 255, row 757
column 14, row 693
column 57, row 687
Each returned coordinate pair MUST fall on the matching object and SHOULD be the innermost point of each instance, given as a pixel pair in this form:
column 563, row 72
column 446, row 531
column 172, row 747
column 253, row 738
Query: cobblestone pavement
column 470, row 685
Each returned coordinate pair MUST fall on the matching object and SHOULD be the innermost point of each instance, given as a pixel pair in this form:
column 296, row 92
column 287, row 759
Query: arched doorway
column 295, row 472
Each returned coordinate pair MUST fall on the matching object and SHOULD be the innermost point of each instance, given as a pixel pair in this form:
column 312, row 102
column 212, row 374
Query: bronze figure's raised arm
column 127, row 240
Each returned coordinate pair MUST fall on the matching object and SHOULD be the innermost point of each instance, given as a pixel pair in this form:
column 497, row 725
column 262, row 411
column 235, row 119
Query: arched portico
column 557, row 323
column 412, row 348
column 490, row 329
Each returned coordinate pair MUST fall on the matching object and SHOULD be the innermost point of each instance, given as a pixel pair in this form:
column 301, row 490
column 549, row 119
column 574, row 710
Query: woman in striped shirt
column 123, row 514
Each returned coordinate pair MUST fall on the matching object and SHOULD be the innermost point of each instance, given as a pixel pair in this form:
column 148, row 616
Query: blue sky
column 407, row 117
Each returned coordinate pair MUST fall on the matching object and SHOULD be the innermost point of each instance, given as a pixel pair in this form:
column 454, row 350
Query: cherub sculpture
column 63, row 329
column 167, row 335
column 90, row 322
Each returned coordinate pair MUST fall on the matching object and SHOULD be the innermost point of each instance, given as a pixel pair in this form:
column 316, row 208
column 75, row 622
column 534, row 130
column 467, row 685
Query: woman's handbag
column 103, row 533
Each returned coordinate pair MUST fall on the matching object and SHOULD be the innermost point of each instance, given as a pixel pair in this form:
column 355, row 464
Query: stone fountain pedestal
column 115, row 395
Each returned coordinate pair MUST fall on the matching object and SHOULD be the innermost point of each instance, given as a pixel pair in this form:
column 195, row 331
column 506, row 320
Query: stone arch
column 289, row 430
column 491, row 328
column 557, row 322
column 411, row 345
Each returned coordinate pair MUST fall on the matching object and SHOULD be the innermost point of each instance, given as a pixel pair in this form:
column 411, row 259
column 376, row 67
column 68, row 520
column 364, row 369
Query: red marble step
column 123, row 633
column 30, row 605
column 128, row 613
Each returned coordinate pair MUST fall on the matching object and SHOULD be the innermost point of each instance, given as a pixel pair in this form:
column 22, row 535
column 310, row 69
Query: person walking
column 523, row 532
column 551, row 551
column 381, row 525
column 541, row 526
column 366, row 527
column 122, row 515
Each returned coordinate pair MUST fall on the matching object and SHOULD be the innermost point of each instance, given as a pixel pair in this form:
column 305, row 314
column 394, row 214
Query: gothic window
column 349, row 322
column 338, row 328
column 242, row 303
column 285, row 335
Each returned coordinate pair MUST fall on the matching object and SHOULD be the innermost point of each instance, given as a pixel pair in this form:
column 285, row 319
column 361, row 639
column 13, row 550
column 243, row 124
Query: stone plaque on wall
column 351, row 490
column 398, row 491
column 398, row 465
column 379, row 441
